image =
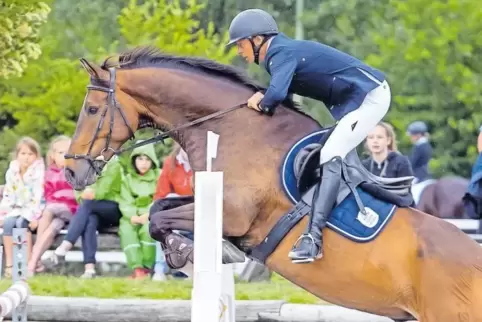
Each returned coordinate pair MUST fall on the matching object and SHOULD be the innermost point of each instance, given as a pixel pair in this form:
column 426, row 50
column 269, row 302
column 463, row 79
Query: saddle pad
column 345, row 219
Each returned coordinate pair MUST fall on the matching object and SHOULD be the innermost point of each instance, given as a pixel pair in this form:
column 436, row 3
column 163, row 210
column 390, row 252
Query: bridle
column 113, row 105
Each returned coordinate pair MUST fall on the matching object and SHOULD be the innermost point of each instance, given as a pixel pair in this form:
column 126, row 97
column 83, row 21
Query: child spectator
column 60, row 202
column 98, row 207
column 137, row 192
column 385, row 160
column 175, row 180
column 176, row 175
column 22, row 202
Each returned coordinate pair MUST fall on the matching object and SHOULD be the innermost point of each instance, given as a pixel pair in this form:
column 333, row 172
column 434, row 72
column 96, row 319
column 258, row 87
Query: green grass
column 112, row 287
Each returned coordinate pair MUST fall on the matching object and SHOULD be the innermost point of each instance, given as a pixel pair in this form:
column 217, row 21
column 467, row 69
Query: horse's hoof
column 179, row 250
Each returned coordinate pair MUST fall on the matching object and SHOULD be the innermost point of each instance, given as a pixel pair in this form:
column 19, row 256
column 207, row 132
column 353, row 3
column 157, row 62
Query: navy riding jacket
column 318, row 71
column 419, row 159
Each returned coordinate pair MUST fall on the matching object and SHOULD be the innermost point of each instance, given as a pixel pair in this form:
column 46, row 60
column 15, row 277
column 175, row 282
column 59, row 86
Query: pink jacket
column 58, row 190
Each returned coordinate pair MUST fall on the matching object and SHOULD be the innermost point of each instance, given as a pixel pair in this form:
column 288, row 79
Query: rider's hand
column 135, row 220
column 253, row 101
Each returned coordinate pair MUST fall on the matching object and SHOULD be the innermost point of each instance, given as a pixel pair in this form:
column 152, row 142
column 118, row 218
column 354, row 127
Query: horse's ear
column 93, row 69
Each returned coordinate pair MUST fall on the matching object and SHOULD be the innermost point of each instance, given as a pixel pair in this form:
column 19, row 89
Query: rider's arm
column 282, row 66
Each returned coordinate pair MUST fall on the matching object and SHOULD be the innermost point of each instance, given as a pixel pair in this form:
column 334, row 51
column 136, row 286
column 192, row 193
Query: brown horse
column 418, row 266
column 443, row 198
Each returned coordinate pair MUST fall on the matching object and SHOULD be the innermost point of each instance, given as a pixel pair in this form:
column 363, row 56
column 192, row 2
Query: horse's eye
column 92, row 110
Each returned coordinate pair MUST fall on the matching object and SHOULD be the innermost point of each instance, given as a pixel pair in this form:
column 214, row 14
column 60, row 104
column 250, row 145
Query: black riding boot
column 309, row 246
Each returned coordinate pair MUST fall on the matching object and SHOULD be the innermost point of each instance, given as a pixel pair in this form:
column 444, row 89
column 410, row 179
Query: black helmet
column 251, row 22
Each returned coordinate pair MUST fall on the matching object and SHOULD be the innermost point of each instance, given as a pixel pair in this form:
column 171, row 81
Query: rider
column 356, row 95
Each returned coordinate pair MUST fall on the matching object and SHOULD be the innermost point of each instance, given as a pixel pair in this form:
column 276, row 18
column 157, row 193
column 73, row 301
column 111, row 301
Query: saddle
column 308, row 173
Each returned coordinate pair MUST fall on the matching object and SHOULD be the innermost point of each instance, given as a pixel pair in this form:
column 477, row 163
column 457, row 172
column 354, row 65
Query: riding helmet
column 251, row 22
column 417, row 127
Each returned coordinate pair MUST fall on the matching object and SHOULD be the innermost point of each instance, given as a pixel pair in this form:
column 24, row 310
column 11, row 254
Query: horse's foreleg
column 161, row 223
column 179, row 249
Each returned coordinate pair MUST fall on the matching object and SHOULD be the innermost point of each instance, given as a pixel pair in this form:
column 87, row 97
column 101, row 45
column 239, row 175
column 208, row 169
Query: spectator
column 385, row 160
column 421, row 151
column 472, row 199
column 175, row 180
column 137, row 192
column 60, row 202
column 98, row 208
column 176, row 175
column 22, row 202
column 479, row 141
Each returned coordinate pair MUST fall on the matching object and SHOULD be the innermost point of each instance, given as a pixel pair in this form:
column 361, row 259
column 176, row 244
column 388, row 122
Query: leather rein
column 113, row 105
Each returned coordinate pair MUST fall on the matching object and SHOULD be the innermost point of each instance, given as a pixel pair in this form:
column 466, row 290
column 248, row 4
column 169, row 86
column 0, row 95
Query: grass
column 116, row 287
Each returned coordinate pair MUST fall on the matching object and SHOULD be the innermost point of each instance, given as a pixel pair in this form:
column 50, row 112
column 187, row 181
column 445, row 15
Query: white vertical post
column 213, row 285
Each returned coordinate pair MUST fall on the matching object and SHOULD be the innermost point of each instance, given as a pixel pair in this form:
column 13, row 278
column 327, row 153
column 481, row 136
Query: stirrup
column 304, row 235
column 302, row 260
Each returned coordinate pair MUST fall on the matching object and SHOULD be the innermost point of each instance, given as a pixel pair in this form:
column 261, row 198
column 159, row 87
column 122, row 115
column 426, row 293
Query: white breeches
column 354, row 127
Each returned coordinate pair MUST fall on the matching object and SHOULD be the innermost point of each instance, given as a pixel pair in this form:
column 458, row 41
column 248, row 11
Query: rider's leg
column 350, row 131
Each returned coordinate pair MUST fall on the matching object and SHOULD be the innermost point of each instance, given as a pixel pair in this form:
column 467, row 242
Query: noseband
column 113, row 105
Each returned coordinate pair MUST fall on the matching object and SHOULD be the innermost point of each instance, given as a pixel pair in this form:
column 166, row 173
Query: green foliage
column 174, row 28
column 46, row 100
column 20, row 21
column 432, row 57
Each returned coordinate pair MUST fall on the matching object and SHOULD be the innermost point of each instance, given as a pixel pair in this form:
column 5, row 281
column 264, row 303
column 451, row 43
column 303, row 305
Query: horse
column 442, row 198
column 412, row 265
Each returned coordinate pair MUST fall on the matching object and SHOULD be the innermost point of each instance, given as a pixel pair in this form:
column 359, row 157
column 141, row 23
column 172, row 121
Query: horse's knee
column 170, row 203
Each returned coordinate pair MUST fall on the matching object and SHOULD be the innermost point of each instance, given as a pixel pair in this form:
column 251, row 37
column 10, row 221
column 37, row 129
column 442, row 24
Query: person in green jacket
column 98, row 207
column 137, row 192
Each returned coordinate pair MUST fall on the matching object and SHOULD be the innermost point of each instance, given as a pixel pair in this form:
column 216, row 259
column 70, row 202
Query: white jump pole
column 213, row 285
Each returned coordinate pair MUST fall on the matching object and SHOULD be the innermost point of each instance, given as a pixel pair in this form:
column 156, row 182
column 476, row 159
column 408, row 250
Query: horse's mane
column 149, row 56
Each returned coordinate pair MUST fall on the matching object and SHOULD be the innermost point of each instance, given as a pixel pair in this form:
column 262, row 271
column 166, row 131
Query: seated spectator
column 98, row 208
column 22, row 202
column 385, row 160
column 421, row 152
column 175, row 180
column 60, row 202
column 176, row 175
column 137, row 192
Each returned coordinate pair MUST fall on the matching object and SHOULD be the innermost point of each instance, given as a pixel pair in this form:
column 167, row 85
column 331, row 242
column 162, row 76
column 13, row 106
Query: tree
column 46, row 100
column 20, row 21
column 432, row 54
column 173, row 27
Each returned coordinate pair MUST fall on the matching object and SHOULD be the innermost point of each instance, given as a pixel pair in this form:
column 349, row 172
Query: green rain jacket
column 108, row 184
column 137, row 191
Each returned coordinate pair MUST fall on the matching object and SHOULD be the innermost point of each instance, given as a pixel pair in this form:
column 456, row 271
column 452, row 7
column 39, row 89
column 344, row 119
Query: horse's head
column 102, row 127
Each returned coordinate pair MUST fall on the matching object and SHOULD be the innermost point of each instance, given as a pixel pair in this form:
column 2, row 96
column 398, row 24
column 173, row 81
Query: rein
column 112, row 105
column 162, row 136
